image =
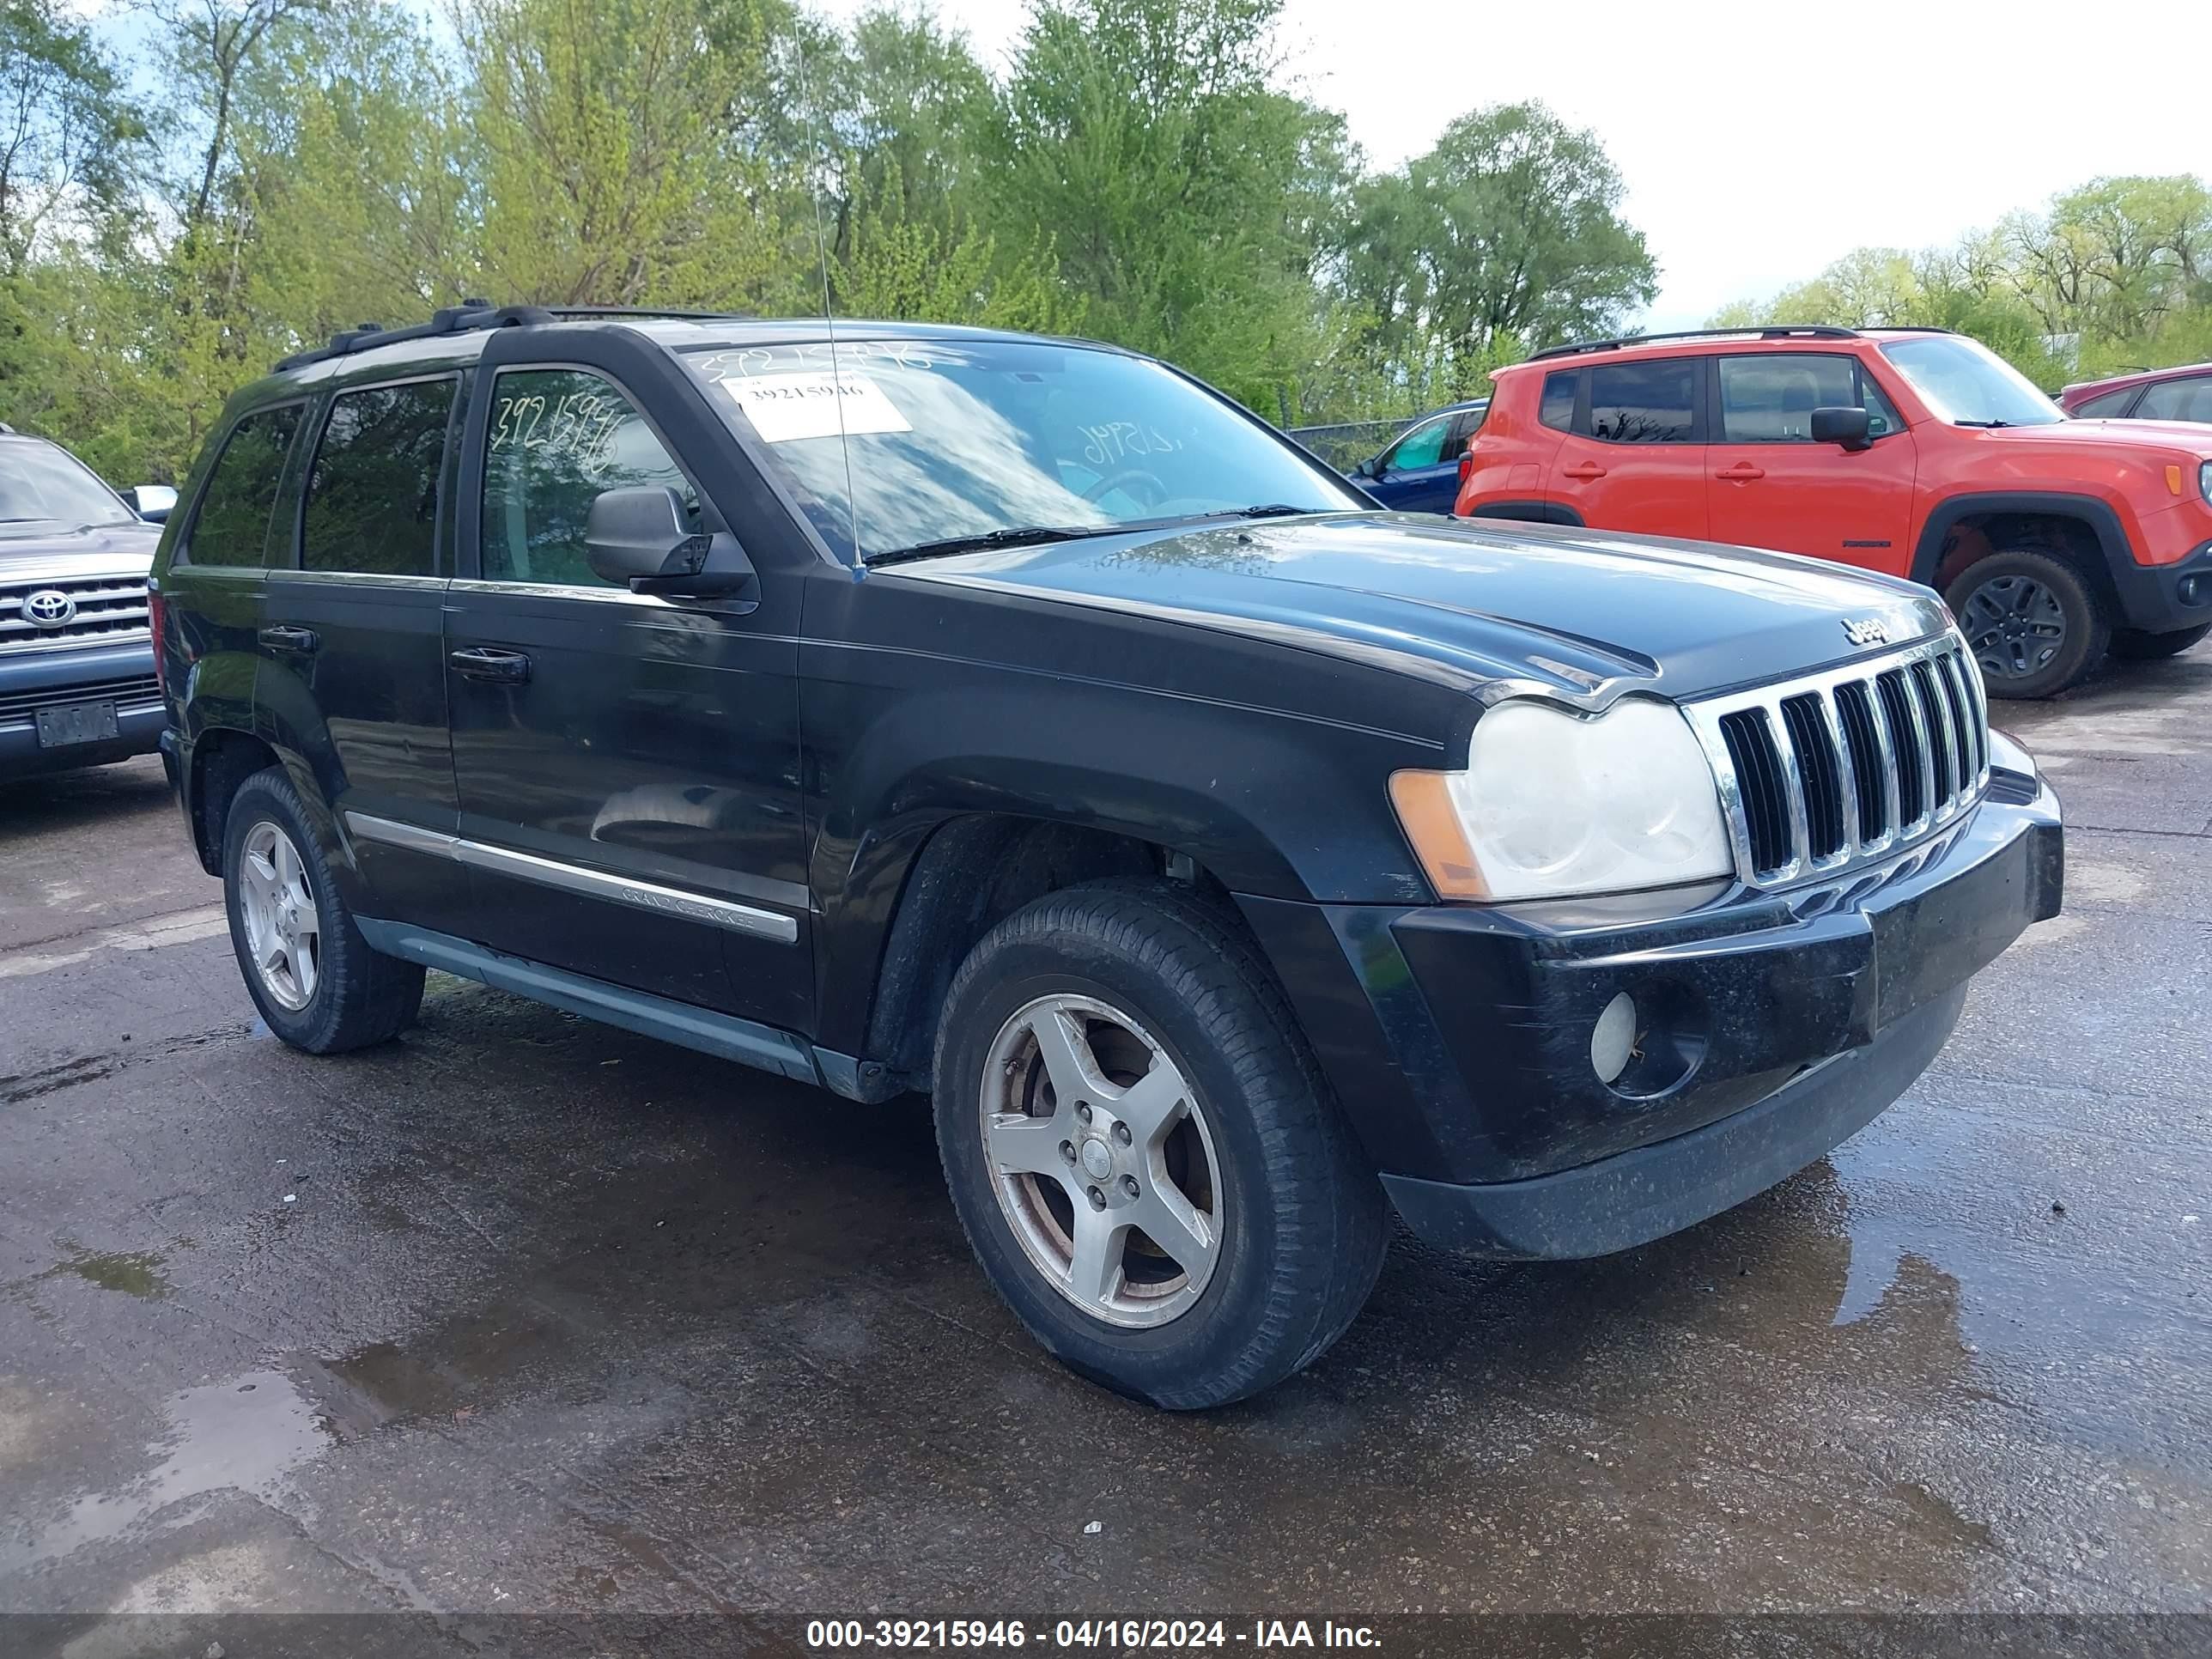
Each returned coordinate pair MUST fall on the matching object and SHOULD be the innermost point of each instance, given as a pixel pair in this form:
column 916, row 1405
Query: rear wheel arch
column 222, row 759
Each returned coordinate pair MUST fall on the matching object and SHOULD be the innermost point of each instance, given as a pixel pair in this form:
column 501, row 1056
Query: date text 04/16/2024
column 1093, row 1635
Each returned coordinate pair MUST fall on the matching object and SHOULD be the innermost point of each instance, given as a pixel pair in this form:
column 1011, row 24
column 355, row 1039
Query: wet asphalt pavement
column 523, row 1314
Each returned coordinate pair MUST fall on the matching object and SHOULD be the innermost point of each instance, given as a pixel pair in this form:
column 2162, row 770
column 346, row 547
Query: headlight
column 1552, row 804
column 2204, row 481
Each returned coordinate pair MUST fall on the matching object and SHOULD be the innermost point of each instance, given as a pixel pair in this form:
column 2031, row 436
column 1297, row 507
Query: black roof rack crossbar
column 480, row 314
column 1748, row 331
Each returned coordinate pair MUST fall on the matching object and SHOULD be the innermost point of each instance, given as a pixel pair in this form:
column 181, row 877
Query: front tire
column 309, row 971
column 1115, row 1062
column 2031, row 621
column 2135, row 645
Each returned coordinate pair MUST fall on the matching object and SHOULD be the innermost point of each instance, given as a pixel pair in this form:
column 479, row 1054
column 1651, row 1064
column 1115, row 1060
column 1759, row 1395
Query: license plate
column 75, row 722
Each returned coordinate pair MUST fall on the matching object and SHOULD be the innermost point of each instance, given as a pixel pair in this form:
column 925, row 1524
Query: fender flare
column 1528, row 512
column 2103, row 522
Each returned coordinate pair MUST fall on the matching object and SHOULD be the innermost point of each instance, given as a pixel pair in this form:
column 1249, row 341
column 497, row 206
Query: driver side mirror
column 152, row 502
column 638, row 538
column 1848, row 425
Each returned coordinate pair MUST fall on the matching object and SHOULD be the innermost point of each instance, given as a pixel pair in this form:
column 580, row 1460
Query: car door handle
column 1584, row 470
column 289, row 641
column 484, row 663
column 1741, row 473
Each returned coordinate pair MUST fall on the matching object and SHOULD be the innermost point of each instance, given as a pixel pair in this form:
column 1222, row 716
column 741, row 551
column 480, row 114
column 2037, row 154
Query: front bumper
column 2163, row 598
column 1775, row 1026
column 121, row 674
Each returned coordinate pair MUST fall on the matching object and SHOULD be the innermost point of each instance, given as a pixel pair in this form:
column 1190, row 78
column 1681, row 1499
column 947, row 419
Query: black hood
column 1472, row 602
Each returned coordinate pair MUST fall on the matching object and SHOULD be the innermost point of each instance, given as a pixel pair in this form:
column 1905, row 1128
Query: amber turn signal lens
column 2174, row 480
column 1431, row 821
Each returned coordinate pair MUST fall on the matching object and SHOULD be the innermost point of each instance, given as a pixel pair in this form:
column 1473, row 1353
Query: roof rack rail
column 1750, row 331
column 476, row 314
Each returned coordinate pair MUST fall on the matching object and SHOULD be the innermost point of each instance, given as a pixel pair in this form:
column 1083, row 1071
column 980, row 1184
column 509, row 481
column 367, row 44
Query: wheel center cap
column 1097, row 1162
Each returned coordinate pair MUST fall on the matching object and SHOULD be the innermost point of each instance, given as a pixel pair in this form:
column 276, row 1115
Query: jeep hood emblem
column 1866, row 631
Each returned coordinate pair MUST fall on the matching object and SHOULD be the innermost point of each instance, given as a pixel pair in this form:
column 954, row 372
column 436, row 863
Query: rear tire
column 309, row 971
column 2135, row 645
column 1170, row 1018
column 2031, row 621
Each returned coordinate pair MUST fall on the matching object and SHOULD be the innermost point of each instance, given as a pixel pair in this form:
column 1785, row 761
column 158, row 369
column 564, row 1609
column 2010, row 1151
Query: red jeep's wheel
column 2031, row 621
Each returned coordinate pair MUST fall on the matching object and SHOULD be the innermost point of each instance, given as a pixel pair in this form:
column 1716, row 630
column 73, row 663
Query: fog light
column 2191, row 591
column 1613, row 1039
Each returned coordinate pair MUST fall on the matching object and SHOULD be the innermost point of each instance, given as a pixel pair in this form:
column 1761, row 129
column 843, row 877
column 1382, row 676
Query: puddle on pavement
column 247, row 1433
column 135, row 1273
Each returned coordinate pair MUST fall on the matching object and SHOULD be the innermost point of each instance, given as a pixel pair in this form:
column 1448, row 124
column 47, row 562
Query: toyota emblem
column 50, row 608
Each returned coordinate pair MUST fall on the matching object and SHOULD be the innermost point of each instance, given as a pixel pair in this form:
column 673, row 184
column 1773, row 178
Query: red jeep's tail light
column 1465, row 464
column 156, row 613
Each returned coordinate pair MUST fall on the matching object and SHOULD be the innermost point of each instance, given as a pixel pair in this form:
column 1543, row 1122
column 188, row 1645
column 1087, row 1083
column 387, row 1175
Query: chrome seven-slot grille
column 106, row 610
column 1833, row 770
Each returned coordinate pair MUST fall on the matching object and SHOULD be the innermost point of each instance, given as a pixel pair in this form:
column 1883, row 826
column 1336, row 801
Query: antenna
column 829, row 312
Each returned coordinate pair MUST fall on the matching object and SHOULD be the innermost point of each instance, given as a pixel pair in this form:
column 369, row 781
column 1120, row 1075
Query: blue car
column 1420, row 472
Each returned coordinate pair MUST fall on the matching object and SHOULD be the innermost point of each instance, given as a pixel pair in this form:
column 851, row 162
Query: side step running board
column 724, row 1035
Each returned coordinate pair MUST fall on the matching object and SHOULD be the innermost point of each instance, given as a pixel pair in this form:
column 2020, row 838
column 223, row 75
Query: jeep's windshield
column 1967, row 384
column 40, row 484
column 954, row 441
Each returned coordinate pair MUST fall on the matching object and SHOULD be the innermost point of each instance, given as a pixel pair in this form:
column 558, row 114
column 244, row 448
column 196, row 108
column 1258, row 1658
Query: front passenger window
column 1423, row 447
column 2188, row 399
column 558, row 437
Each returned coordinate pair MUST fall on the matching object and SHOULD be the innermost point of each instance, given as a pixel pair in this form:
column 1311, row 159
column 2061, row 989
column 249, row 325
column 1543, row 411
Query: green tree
column 1505, row 237
column 1150, row 140
column 70, row 146
column 617, row 169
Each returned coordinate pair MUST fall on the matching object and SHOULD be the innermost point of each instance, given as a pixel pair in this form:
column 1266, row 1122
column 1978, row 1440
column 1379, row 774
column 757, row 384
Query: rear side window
column 1653, row 403
column 1557, row 411
column 2178, row 400
column 232, row 525
column 2109, row 404
column 1769, row 399
column 373, row 491
column 558, row 438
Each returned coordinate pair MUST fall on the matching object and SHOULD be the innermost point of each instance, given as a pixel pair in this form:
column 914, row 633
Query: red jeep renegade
column 1915, row 452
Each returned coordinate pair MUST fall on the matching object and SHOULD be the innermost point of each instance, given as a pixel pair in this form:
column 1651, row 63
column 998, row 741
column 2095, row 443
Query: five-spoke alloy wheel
column 305, row 964
column 1104, row 1167
column 1145, row 1157
column 283, row 933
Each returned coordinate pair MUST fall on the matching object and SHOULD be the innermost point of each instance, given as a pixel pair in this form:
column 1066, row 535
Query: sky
column 1760, row 142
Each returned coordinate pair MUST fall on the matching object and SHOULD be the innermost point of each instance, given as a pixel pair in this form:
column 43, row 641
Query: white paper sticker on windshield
column 783, row 407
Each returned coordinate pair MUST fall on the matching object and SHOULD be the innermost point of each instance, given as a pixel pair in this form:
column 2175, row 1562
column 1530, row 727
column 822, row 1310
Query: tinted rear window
column 1559, row 407
column 231, row 527
column 1644, row 403
column 372, row 492
column 2112, row 402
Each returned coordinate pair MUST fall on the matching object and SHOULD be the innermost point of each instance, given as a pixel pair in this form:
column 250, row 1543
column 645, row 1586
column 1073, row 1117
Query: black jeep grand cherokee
column 1016, row 721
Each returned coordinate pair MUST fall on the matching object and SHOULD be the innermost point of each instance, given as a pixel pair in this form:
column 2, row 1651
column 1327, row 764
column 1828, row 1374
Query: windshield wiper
column 1267, row 510
column 1037, row 535
column 1028, row 535
column 1985, row 423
